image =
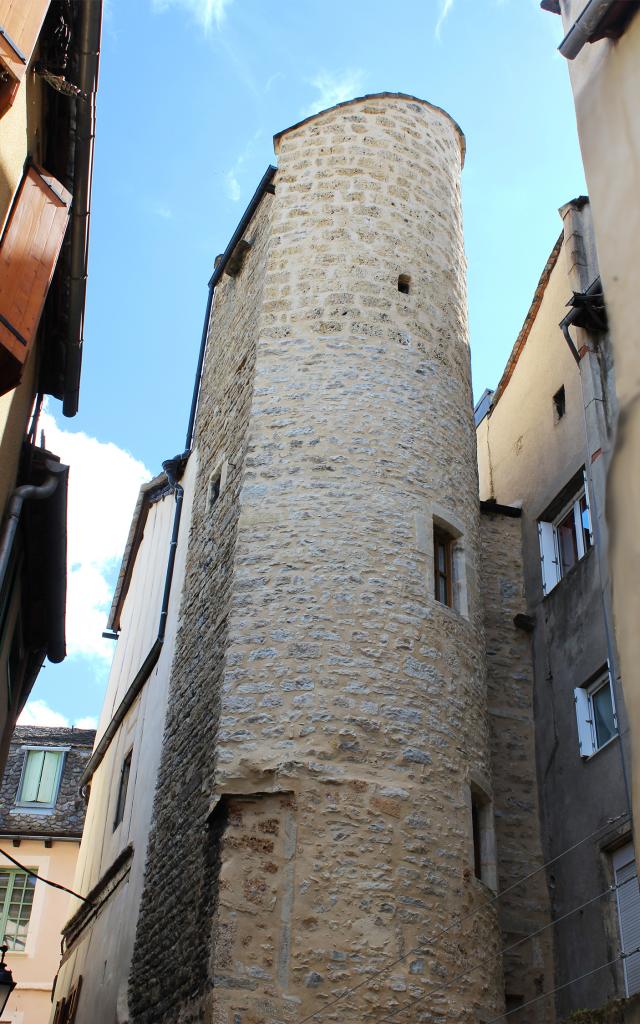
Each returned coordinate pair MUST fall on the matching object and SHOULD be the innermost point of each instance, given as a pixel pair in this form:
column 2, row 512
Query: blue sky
column 191, row 93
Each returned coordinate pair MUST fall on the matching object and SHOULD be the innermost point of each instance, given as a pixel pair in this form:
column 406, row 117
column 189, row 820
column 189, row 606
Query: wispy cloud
column 104, row 481
column 233, row 186
column 205, row 13
column 234, row 174
column 38, row 712
column 163, row 211
column 445, row 10
column 335, row 88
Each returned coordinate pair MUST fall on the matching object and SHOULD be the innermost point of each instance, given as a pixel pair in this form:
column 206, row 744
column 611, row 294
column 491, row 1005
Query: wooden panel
column 20, row 21
column 28, row 255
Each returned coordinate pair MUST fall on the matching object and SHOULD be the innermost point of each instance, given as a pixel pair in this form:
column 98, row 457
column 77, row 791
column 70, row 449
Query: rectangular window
column 122, row 790
column 595, row 714
column 443, row 567
column 628, row 901
column 565, row 537
column 40, row 780
column 16, row 900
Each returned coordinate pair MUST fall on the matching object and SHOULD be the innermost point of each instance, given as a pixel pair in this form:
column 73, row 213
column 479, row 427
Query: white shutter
column 583, row 718
column 586, row 495
column 548, row 557
column 628, row 898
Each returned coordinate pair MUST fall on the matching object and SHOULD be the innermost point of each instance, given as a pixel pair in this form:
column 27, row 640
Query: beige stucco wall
column 35, row 969
column 605, row 78
column 102, row 954
column 522, row 425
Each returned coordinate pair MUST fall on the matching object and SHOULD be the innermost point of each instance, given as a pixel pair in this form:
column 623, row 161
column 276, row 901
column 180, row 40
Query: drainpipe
column 578, row 273
column 264, row 186
column 584, row 27
column 170, row 467
column 83, row 144
column 26, row 492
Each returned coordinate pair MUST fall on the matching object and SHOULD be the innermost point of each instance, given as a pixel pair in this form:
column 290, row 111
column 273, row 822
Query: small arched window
column 404, row 284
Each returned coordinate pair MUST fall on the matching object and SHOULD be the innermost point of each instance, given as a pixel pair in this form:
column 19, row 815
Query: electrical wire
column 559, row 988
column 483, row 906
column 41, row 878
column 508, row 949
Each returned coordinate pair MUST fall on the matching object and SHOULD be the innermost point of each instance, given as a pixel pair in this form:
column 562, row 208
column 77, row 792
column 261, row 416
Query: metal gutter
column 264, row 186
column 26, row 492
column 584, row 27
column 170, row 467
column 81, row 206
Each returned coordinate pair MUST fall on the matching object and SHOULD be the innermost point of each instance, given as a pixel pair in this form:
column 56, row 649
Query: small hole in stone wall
column 559, row 404
column 404, row 284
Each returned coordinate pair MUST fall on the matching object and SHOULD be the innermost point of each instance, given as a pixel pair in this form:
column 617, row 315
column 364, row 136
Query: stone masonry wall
column 179, row 895
column 327, row 716
column 528, row 966
column 67, row 817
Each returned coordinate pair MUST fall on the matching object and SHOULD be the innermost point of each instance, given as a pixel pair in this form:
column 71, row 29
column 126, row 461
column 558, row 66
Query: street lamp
column 7, row 984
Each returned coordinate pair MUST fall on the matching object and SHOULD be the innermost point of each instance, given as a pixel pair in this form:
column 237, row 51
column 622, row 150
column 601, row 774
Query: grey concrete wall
column 528, row 458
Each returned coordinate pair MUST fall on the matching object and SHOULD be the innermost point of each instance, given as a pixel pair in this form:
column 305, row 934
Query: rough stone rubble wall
column 179, row 896
column 350, row 716
column 528, row 968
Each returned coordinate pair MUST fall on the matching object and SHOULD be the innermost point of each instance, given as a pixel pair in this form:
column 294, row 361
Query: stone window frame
column 218, row 476
column 435, row 517
column 479, row 795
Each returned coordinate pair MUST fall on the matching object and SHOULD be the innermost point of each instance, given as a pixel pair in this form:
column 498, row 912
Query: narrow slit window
column 443, row 567
column 404, row 284
column 477, row 838
column 559, row 404
column 122, row 790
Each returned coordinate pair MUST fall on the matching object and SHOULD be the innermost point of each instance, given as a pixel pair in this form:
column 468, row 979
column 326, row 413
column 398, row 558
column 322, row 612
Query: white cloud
column 104, row 481
column 163, row 211
column 204, row 12
column 90, row 722
column 38, row 712
column 445, row 10
column 233, row 186
column 232, row 177
column 335, row 88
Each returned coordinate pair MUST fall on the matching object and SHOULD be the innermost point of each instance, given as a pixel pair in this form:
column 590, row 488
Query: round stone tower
column 347, row 807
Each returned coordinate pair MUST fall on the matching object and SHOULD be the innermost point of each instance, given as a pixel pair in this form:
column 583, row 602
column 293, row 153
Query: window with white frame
column 40, row 781
column 595, row 714
column 565, row 535
column 628, row 902
column 16, row 899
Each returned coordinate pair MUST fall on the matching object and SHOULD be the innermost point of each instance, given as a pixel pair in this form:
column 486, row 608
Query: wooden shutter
column 20, row 24
column 548, row 557
column 28, row 255
column 628, row 898
column 583, row 718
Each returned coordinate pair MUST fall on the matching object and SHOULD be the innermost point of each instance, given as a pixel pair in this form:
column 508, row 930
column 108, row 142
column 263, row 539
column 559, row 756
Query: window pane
column 32, row 773
column 567, row 545
column 603, row 720
column 585, row 518
column 46, row 790
column 16, row 911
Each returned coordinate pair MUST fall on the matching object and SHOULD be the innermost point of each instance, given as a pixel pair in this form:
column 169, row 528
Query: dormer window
column 40, row 781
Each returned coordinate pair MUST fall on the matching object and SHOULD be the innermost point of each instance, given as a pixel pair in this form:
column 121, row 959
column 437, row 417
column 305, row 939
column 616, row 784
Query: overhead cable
column 443, row 931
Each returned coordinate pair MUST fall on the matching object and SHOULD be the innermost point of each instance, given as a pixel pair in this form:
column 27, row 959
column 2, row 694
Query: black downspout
column 171, row 468
column 264, row 186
